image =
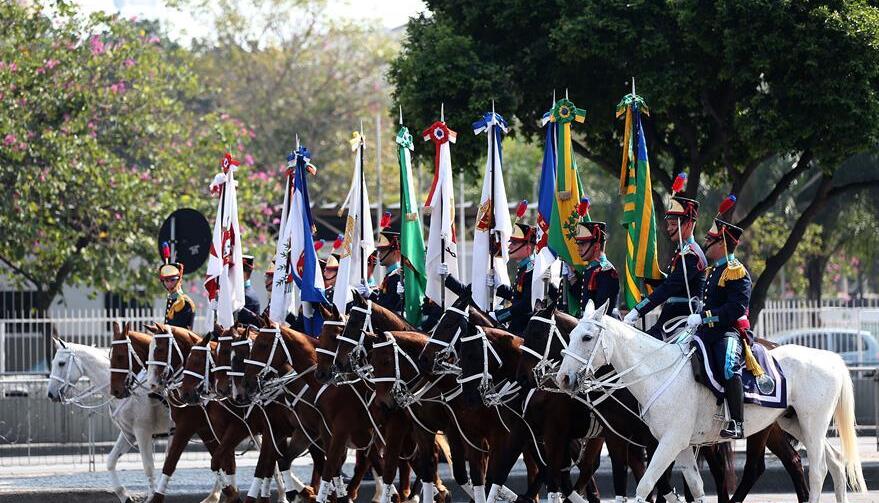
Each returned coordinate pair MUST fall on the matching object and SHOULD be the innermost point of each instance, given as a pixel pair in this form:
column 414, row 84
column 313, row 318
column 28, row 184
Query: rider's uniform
column 727, row 294
column 389, row 293
column 179, row 308
column 685, row 278
column 248, row 314
column 517, row 314
column 599, row 281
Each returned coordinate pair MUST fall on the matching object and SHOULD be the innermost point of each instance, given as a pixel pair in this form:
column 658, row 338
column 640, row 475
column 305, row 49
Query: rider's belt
column 677, row 300
column 709, row 319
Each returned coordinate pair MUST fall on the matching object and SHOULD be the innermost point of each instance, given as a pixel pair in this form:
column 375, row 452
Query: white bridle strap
column 463, row 313
column 397, row 352
column 554, row 333
column 486, row 349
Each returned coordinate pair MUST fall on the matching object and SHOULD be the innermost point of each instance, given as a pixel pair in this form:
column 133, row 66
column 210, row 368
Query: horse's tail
column 844, row 417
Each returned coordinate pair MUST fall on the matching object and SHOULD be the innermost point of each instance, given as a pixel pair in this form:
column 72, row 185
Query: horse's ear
column 59, row 344
column 126, row 327
column 153, row 327
column 218, row 329
column 117, row 330
column 589, row 310
column 601, row 311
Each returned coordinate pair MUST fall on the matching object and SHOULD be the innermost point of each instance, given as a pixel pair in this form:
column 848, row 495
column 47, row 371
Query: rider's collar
column 723, row 260
column 393, row 267
column 248, row 284
column 525, row 262
column 600, row 261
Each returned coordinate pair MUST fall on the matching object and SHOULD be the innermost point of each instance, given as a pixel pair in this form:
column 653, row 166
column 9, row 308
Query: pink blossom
column 267, row 211
column 248, row 160
column 263, row 239
column 240, row 147
column 118, row 215
column 22, row 146
column 41, row 70
column 153, row 40
column 128, row 63
column 133, row 19
column 51, row 63
column 145, row 176
column 2, row 96
column 2, row 65
column 13, row 67
column 276, row 221
column 92, row 125
column 118, row 88
column 224, row 116
column 97, row 45
column 10, row 139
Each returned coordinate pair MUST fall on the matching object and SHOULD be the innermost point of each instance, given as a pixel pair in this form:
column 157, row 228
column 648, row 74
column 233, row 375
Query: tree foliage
column 731, row 86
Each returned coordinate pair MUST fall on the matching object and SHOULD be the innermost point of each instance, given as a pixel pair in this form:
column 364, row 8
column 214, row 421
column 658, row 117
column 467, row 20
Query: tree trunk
column 42, row 304
column 815, row 267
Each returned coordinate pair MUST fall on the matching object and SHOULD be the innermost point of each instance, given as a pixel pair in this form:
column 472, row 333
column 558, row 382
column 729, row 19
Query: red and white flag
column 225, row 273
column 442, row 249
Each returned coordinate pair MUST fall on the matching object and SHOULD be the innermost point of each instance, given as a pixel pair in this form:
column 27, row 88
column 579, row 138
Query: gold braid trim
column 751, row 362
column 735, row 270
column 178, row 306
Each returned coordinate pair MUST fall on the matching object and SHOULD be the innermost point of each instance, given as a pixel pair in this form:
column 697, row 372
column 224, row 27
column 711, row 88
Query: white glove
column 362, row 289
column 400, row 288
column 442, row 270
column 489, row 281
column 493, row 315
column 632, row 317
column 694, row 320
column 547, row 274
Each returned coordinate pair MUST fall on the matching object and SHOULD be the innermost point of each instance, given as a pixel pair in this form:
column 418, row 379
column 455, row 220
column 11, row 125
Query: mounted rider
column 248, row 314
column 680, row 290
column 269, row 282
column 724, row 315
column 179, row 308
column 599, row 282
column 516, row 315
column 389, row 293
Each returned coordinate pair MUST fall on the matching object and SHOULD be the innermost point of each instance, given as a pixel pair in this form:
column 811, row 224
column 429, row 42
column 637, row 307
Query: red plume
column 583, row 207
column 727, row 204
column 319, row 244
column 166, row 251
column 679, row 183
column 521, row 209
column 385, row 221
column 338, row 242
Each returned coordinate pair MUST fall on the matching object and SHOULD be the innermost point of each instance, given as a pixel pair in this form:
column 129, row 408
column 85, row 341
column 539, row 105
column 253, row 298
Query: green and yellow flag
column 411, row 237
column 638, row 213
column 568, row 189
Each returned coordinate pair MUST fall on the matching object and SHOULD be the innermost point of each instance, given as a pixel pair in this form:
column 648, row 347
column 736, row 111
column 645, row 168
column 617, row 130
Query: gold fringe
column 733, row 271
column 750, row 362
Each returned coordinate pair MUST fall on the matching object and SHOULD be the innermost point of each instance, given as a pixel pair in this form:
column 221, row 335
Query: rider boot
column 734, row 400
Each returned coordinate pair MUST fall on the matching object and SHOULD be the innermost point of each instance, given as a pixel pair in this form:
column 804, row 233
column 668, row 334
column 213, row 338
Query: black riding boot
column 734, row 400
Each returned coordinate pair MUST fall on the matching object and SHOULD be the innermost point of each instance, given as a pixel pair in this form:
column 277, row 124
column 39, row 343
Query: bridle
column 492, row 395
column 203, row 380
column 358, row 363
column 169, row 375
column 66, row 384
column 446, row 360
column 131, row 379
column 545, row 369
column 586, row 372
column 400, row 389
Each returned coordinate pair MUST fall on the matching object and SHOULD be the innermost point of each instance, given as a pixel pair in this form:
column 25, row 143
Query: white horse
column 137, row 416
column 681, row 412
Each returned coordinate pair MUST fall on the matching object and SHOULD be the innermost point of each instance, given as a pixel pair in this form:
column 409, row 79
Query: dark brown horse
column 128, row 353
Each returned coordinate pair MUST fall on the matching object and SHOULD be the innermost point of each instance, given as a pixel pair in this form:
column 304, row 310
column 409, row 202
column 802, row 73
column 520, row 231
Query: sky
column 389, row 13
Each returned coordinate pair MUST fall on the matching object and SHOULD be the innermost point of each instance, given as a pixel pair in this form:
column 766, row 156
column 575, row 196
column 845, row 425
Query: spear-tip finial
column 401, row 115
column 442, row 112
column 297, row 142
column 633, row 86
column 553, row 99
column 566, row 93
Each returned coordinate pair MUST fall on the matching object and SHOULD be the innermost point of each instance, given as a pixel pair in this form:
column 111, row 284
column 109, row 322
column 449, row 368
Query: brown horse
column 334, row 413
column 128, row 353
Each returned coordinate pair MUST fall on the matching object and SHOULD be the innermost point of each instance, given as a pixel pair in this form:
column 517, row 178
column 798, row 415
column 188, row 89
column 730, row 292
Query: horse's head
column 343, row 344
column 66, row 370
column 439, row 355
column 269, row 355
column 241, row 344
column 587, row 349
column 479, row 361
column 223, row 360
column 393, row 366
column 125, row 362
column 196, row 381
column 168, row 352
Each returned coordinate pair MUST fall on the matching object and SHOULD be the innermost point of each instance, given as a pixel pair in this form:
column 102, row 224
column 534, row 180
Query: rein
column 131, row 377
column 77, row 399
column 169, row 376
column 446, row 360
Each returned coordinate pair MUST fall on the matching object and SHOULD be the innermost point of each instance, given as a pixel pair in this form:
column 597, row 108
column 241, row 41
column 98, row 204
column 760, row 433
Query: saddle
column 708, row 376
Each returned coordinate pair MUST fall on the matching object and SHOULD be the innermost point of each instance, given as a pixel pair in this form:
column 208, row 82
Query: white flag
column 284, row 298
column 225, row 271
column 492, row 203
column 441, row 241
column 359, row 242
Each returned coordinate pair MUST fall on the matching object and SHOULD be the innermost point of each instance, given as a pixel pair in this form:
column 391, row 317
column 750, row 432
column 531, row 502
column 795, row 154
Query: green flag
column 411, row 237
column 639, row 217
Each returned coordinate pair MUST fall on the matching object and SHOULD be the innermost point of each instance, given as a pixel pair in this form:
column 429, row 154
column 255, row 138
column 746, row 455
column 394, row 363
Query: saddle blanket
column 705, row 374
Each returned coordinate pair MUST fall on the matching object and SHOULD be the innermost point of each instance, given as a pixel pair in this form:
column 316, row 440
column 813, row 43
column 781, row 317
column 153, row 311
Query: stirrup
column 733, row 431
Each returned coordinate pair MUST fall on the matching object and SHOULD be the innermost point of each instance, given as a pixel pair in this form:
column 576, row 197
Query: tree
column 732, row 86
column 97, row 147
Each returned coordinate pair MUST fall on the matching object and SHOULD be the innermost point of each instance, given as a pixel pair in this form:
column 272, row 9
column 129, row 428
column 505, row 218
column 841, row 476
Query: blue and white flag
column 545, row 197
column 295, row 260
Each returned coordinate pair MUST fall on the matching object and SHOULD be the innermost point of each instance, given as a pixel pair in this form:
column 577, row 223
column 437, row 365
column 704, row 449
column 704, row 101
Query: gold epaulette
column 178, row 305
column 734, row 270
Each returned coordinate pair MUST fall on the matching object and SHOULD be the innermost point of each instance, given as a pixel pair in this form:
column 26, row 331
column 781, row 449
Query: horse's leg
column 123, row 444
column 591, row 459
column 395, row 431
column 536, row 474
column 755, row 464
column 182, row 434
column 337, row 448
column 505, row 452
column 460, row 458
column 779, row 444
column 144, row 440
column 687, row 461
column 666, row 451
column 299, row 443
column 223, row 460
column 719, row 459
column 264, row 466
column 618, row 451
column 477, row 459
column 836, row 464
column 425, row 463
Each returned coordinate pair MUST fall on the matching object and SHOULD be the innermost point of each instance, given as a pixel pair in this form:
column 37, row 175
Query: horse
column 138, row 417
column 658, row 375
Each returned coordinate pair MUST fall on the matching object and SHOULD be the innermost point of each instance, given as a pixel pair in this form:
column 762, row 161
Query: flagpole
column 222, row 231
column 442, row 234
column 491, row 231
column 360, row 216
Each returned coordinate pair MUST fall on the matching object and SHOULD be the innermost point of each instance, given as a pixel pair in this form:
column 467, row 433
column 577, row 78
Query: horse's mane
column 178, row 332
column 503, row 340
column 387, row 313
column 304, row 344
column 564, row 321
column 480, row 317
column 410, row 341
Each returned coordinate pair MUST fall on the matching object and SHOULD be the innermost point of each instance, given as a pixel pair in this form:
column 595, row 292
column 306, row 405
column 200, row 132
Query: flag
column 411, row 237
column 545, row 198
column 493, row 225
column 298, row 245
column 225, row 271
column 441, row 240
column 639, row 217
column 568, row 190
column 359, row 242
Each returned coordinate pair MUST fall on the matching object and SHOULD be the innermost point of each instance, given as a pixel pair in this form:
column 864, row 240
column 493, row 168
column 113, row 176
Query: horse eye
column 61, row 364
column 587, row 337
